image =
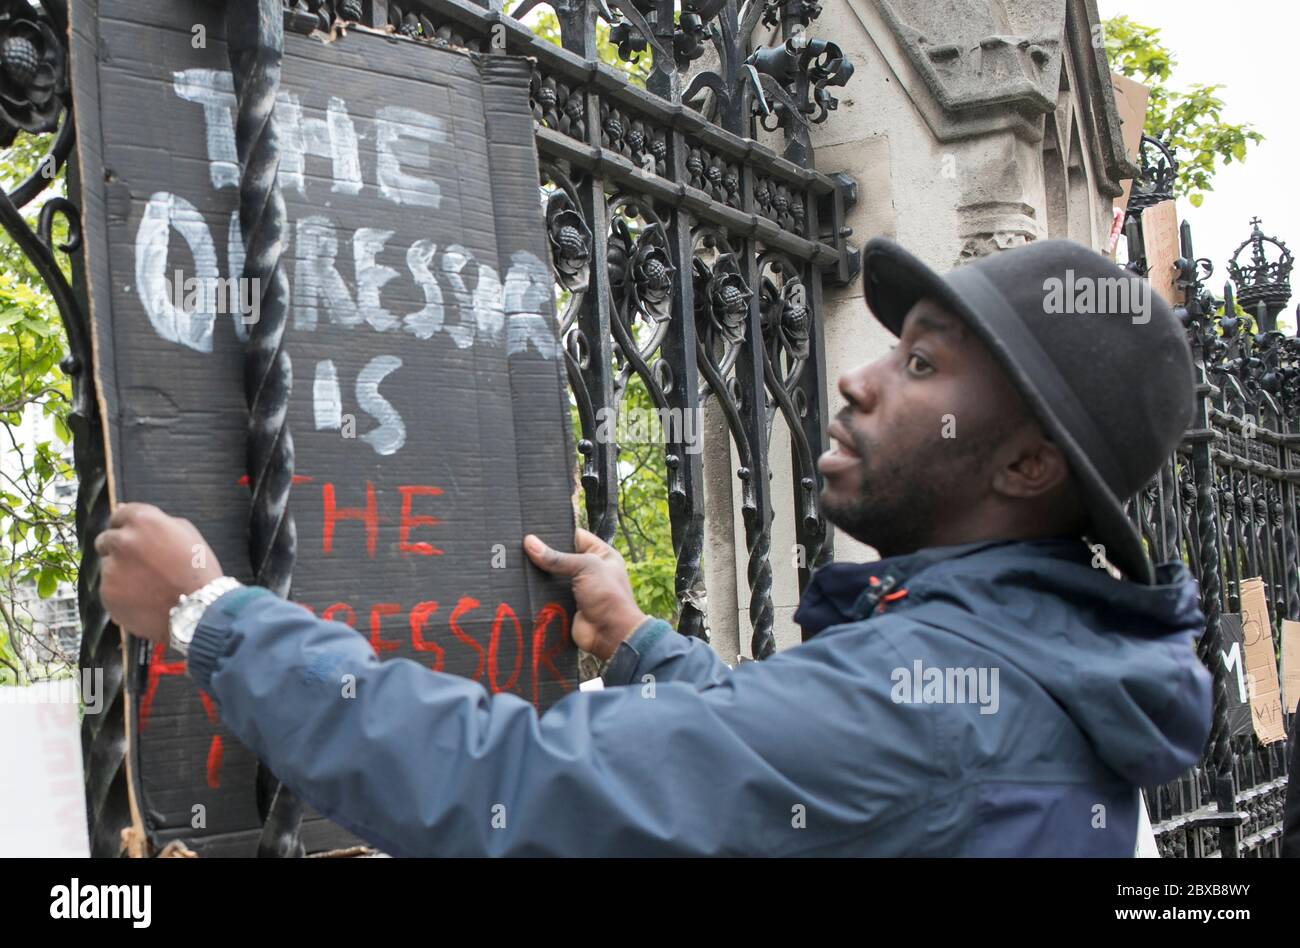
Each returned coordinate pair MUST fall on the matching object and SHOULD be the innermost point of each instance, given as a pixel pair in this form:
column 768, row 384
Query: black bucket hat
column 1099, row 357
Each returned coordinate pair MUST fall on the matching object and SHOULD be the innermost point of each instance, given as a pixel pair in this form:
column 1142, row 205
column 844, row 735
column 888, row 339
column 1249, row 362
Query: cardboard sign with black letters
column 1261, row 662
column 428, row 409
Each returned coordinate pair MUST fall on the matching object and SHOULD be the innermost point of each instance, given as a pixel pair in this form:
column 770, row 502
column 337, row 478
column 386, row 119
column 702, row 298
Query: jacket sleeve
column 423, row 763
column 655, row 652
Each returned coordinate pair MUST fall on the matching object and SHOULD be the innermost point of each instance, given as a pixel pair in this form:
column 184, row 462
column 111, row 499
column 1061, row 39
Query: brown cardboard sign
column 1261, row 663
column 428, row 409
column 1290, row 665
column 1162, row 248
column 1131, row 104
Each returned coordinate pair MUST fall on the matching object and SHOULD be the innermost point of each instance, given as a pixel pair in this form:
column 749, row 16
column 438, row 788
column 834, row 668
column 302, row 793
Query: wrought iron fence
column 1226, row 505
column 689, row 254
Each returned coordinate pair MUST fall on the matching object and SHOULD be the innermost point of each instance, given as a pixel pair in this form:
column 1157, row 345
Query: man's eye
column 917, row 364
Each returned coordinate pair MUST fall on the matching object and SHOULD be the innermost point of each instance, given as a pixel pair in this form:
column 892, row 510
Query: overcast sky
column 1249, row 46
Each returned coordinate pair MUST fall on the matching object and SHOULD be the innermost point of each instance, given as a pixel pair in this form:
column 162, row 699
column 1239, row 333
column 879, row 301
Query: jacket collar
column 849, row 592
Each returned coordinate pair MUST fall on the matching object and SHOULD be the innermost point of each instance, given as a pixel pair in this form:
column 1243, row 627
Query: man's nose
column 860, row 387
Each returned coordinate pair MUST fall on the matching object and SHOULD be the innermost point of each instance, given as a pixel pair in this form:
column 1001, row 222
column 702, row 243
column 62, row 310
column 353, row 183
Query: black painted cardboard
column 487, row 428
column 1233, row 658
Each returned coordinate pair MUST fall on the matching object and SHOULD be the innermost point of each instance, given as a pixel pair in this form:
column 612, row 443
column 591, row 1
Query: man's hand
column 607, row 610
column 150, row 561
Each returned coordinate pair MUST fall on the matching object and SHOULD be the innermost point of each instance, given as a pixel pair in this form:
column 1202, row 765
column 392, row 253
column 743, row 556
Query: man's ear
column 1037, row 468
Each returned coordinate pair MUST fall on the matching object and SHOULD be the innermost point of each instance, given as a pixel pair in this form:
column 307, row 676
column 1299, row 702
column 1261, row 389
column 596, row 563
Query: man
column 990, row 687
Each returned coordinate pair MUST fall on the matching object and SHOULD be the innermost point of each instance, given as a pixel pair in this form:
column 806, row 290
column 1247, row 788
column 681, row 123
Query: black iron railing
column 691, row 257
column 1226, row 505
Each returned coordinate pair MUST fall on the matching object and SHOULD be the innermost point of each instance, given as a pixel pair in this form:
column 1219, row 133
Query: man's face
column 919, row 440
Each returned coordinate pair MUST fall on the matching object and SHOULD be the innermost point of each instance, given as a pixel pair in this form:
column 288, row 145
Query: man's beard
column 902, row 501
column 894, row 506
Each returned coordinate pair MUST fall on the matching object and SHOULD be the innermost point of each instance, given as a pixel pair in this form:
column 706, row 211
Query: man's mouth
column 841, row 455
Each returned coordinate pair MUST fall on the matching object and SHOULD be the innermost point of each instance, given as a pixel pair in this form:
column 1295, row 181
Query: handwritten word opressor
column 508, row 646
column 513, row 660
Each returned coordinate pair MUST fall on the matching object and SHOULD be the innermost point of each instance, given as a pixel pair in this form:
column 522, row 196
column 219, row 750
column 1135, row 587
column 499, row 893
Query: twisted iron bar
column 813, row 532
column 757, row 535
column 1219, row 746
column 758, row 538
column 757, row 531
column 687, row 527
column 255, row 38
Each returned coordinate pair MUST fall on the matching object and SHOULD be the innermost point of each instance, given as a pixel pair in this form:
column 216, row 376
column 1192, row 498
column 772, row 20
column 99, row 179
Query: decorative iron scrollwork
column 724, row 297
column 721, row 336
column 1262, row 282
column 640, row 269
column 1158, row 172
column 797, row 76
column 721, row 314
column 326, row 12
column 558, row 105
column 787, row 329
column 778, row 203
column 33, row 72
column 570, row 239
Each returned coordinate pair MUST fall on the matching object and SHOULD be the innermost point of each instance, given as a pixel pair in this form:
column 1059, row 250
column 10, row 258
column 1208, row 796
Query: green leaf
column 1192, row 120
column 48, row 583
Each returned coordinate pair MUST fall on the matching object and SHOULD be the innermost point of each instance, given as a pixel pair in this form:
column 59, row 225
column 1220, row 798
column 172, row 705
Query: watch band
column 185, row 615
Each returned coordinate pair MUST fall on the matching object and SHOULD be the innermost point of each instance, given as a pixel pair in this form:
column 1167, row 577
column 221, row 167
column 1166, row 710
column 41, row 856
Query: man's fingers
column 587, row 542
column 128, row 512
column 553, row 561
column 106, row 542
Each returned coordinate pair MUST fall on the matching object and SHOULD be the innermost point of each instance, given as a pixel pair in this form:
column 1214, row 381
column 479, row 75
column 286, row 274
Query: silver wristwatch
column 185, row 615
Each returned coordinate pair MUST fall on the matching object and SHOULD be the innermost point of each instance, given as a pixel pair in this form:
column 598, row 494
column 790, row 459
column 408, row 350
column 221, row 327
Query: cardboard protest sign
column 1131, row 104
column 1290, row 665
column 1233, row 656
column 428, row 410
column 1160, row 244
column 1261, row 663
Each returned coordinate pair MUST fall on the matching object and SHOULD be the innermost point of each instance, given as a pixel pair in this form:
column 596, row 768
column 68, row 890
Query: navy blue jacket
column 995, row 699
